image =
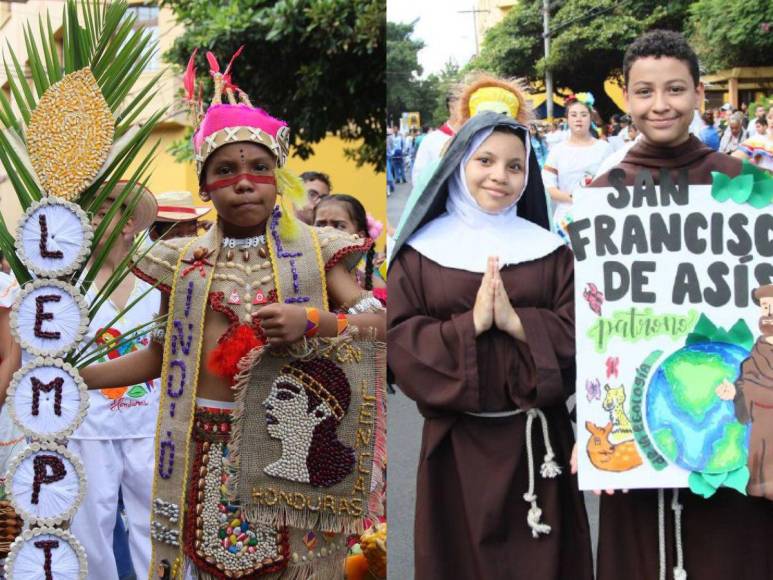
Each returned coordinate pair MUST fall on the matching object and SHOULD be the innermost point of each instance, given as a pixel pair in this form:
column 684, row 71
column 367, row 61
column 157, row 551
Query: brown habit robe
column 726, row 537
column 470, row 513
column 754, row 402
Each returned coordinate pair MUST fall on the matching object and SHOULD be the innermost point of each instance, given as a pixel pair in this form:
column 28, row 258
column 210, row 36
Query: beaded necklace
column 244, row 244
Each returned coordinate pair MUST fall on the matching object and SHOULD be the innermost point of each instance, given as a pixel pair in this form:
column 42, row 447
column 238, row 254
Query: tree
column 403, row 71
column 319, row 64
column 448, row 77
column 729, row 33
column 587, row 45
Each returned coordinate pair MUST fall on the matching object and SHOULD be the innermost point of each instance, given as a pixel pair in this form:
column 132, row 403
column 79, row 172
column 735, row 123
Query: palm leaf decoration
column 103, row 37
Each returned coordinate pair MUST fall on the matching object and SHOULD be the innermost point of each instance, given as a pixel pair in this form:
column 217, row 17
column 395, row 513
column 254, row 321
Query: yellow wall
column 361, row 182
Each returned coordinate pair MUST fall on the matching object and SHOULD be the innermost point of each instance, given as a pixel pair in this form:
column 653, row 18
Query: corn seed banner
column 674, row 328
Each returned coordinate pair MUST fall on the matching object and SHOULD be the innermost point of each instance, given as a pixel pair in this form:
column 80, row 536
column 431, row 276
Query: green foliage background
column 588, row 43
column 319, row 64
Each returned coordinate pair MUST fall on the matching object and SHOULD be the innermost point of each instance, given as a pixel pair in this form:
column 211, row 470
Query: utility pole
column 548, row 73
column 474, row 12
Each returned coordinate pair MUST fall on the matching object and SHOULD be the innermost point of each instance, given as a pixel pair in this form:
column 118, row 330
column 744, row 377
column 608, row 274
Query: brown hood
column 698, row 158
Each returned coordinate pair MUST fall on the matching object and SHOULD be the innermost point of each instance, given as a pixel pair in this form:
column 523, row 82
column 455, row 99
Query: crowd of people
column 574, row 150
column 481, row 335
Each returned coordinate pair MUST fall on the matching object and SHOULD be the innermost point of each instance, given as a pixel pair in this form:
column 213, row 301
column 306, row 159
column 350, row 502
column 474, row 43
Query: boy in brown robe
column 728, row 535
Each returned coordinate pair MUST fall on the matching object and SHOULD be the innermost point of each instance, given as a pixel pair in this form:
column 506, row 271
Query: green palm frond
column 104, row 37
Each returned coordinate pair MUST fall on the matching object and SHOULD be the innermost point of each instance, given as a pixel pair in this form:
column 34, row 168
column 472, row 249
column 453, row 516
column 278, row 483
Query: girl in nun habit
column 481, row 336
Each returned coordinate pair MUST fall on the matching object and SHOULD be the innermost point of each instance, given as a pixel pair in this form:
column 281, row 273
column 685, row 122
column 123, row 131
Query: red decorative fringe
column 380, row 294
column 224, row 359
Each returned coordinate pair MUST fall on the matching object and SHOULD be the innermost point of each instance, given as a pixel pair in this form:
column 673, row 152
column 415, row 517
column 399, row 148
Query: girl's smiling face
column 496, row 172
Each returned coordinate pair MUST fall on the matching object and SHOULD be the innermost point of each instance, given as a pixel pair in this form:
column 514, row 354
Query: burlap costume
column 189, row 502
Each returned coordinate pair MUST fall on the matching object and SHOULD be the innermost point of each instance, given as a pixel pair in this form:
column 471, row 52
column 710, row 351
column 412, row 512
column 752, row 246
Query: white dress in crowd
column 572, row 168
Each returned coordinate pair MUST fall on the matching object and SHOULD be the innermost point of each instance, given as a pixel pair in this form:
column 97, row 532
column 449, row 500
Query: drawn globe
column 688, row 423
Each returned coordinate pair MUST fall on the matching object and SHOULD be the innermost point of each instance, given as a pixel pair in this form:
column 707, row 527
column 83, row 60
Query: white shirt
column 124, row 412
column 697, row 124
column 576, row 167
column 553, row 138
column 429, row 150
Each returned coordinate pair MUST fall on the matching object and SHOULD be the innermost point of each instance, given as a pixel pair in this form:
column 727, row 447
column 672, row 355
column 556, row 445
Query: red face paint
column 268, row 179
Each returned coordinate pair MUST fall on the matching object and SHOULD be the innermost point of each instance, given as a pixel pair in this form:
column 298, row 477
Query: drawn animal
column 593, row 389
column 614, row 404
column 594, row 297
column 606, row 456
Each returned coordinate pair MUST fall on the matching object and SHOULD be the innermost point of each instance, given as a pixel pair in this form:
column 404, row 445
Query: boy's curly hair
column 660, row 43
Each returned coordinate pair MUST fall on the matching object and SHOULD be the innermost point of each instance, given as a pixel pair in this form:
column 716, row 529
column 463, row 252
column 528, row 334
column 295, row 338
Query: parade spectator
column 178, row 216
column 538, row 144
column 390, row 175
column 662, row 89
column 696, row 125
column 554, row 135
column 759, row 113
column 760, row 126
column 572, row 164
column 416, row 144
column 346, row 213
column 745, row 116
column 733, row 135
column 432, row 144
column 614, row 127
column 759, row 149
column 709, row 134
column 317, row 186
column 396, row 149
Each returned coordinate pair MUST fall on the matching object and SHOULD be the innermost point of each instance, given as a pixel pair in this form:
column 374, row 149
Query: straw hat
column 145, row 210
column 178, row 206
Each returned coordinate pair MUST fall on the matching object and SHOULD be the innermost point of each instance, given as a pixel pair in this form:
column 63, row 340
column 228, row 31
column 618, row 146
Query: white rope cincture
column 679, row 572
column 548, row 470
column 661, row 535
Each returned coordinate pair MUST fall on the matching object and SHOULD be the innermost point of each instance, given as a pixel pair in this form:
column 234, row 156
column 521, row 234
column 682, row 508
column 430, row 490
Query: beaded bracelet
column 312, row 322
column 342, row 323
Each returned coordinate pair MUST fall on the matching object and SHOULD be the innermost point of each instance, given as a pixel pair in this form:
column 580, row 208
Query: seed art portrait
column 674, row 328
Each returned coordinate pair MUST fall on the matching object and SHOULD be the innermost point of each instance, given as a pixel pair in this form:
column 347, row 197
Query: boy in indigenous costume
column 269, row 483
column 728, row 535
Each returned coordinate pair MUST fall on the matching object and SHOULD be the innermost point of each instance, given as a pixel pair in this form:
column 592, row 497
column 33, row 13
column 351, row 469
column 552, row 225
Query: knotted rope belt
column 548, row 470
column 679, row 572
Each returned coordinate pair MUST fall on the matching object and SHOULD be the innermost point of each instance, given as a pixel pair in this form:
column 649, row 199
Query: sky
column 446, row 33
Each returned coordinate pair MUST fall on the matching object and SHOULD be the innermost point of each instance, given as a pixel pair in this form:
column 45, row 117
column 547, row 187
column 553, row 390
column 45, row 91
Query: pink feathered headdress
column 231, row 122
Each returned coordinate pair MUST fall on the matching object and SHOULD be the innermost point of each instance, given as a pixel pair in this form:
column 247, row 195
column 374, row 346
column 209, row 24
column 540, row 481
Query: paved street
column 404, row 439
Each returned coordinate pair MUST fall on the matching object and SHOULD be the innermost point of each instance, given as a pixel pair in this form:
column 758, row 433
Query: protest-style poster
column 674, row 326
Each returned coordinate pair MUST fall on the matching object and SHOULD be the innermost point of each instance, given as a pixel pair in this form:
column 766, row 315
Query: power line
column 592, row 13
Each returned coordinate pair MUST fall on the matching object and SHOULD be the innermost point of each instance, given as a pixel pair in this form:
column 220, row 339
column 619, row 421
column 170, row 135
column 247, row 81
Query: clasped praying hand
column 492, row 304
